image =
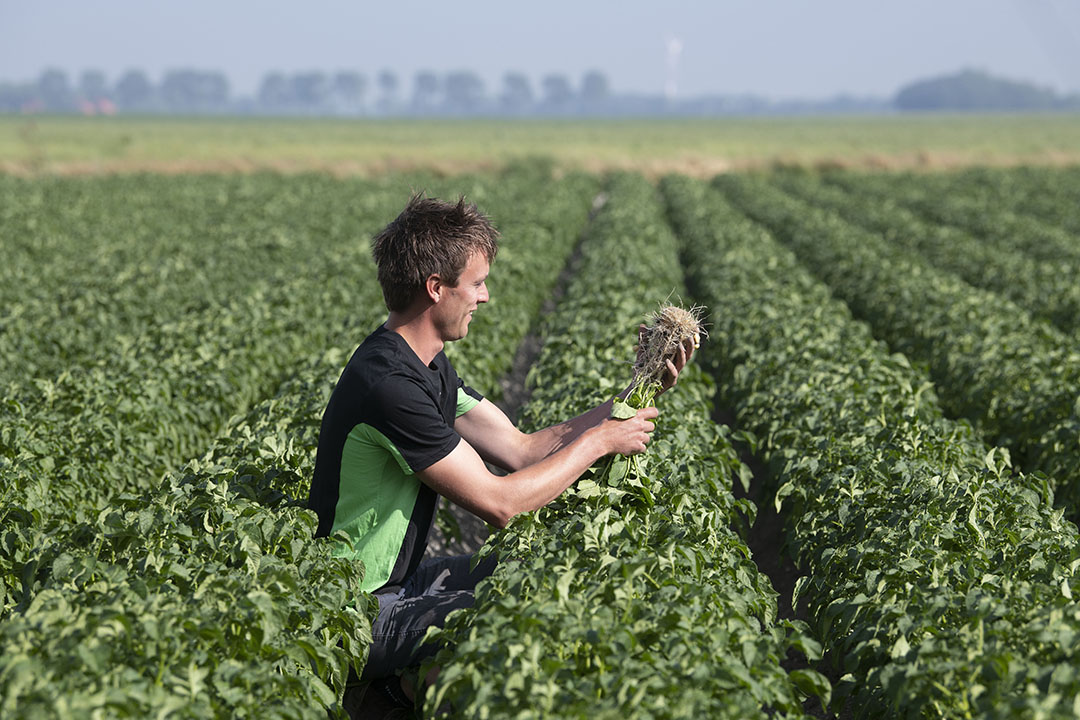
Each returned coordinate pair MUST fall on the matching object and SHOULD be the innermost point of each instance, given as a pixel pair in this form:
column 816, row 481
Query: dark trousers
column 438, row 587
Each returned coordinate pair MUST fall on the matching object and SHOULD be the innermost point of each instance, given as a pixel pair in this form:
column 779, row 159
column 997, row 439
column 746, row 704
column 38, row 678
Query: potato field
column 895, row 355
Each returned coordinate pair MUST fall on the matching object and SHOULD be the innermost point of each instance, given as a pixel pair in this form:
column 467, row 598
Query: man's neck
column 418, row 332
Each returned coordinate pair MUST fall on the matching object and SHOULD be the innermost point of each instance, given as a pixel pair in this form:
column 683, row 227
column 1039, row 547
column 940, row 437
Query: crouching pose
column 401, row 429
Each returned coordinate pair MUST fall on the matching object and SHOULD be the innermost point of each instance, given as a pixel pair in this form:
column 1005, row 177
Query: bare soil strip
column 703, row 166
column 515, row 393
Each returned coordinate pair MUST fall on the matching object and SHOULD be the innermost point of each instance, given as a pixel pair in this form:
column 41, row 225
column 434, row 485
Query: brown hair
column 429, row 237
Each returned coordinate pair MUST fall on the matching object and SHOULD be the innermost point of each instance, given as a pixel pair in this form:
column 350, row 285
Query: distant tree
column 92, row 85
column 517, row 94
column 974, row 90
column 194, row 91
column 558, row 94
column 348, row 87
column 426, row 88
column 388, row 88
column 464, row 92
column 134, row 91
column 311, row 90
column 275, row 92
column 594, row 88
column 54, row 91
column 16, row 97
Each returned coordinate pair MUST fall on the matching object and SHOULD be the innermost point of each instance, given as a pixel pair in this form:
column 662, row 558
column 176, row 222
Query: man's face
column 456, row 306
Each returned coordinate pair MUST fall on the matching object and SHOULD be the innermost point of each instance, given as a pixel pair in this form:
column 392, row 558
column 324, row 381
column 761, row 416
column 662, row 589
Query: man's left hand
column 674, row 365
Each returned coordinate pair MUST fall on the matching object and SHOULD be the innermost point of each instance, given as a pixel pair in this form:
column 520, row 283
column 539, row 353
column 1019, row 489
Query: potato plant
column 1050, row 195
column 1047, row 290
column 205, row 595
column 1014, row 377
column 998, row 225
column 167, row 345
column 632, row 598
column 939, row 580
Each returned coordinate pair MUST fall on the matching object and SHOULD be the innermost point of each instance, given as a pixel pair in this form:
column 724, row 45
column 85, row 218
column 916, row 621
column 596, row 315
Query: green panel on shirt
column 376, row 497
column 465, row 402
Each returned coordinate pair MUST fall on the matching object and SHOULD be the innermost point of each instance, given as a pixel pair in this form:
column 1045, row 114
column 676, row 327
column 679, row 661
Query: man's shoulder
column 379, row 343
column 378, row 357
column 384, row 367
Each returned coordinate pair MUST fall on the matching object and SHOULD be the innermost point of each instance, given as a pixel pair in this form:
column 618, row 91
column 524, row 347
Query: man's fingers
column 647, row 413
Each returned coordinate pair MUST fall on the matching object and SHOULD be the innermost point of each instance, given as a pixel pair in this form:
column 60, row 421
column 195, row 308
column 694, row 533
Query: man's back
column 389, row 417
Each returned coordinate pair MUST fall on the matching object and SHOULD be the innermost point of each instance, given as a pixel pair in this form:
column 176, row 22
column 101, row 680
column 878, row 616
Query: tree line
column 464, row 93
column 345, row 92
column 975, row 90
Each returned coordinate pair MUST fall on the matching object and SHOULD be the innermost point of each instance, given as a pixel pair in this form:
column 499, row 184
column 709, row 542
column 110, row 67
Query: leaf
column 563, row 584
column 800, row 586
column 621, row 410
column 900, row 648
column 813, row 684
column 745, row 476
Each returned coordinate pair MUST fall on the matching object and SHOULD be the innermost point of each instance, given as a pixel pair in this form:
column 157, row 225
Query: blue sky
column 776, row 49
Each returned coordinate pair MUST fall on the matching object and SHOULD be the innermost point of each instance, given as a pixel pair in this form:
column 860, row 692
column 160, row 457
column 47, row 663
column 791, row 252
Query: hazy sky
column 778, row 49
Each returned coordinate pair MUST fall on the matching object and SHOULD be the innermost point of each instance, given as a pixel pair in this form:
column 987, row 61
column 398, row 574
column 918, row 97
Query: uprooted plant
column 669, row 329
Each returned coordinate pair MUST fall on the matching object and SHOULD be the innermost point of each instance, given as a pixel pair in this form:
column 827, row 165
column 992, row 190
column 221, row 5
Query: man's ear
column 434, row 287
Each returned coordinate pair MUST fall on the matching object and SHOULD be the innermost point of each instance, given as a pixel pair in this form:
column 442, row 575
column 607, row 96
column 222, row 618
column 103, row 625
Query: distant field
column 367, row 146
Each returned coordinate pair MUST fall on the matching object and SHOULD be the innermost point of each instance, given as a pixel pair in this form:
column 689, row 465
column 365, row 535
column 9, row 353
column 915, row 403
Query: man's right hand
column 629, row 436
column 543, row 464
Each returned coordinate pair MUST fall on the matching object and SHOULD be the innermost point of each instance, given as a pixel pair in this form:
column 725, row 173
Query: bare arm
column 463, row 478
column 499, row 442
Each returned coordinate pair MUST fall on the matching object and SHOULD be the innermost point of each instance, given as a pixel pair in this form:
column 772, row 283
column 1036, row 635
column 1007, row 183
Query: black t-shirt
column 389, row 417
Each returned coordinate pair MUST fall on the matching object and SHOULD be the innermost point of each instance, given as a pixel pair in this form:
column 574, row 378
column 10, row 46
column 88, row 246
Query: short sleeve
column 406, row 415
column 467, row 398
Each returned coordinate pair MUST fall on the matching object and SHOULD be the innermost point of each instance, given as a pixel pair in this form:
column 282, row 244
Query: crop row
column 1044, row 195
column 1051, row 196
column 998, row 226
column 628, row 599
column 939, row 581
column 207, row 595
column 120, row 413
column 1048, row 290
column 1013, row 376
column 72, row 443
column 203, row 597
column 144, row 263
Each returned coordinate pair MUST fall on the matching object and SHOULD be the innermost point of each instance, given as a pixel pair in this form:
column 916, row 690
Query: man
column 401, row 429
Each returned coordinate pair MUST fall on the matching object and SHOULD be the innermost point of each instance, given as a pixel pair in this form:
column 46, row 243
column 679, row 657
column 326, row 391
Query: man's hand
column 674, row 365
column 463, row 478
column 629, row 436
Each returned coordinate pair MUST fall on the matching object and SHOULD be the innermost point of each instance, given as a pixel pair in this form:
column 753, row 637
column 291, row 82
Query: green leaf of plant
column 621, row 410
column 813, row 683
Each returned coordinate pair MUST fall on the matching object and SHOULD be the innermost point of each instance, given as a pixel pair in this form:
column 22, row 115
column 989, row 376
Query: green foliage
column 1014, row 377
column 1048, row 290
column 204, row 594
column 630, row 598
column 167, row 346
column 998, row 226
column 1046, row 195
column 939, row 581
